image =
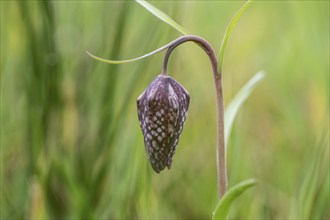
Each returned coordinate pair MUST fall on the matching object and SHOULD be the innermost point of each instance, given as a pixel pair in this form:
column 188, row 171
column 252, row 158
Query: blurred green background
column 71, row 146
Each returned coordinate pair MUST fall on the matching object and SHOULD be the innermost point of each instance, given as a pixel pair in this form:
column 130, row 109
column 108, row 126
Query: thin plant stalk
column 220, row 149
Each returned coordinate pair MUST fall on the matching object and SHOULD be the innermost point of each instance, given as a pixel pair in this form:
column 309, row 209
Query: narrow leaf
column 133, row 59
column 228, row 31
column 222, row 209
column 162, row 16
column 238, row 100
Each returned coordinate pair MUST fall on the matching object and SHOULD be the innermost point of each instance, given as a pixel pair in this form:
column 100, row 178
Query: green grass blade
column 122, row 61
column 314, row 178
column 228, row 33
column 129, row 60
column 222, row 209
column 238, row 100
column 162, row 16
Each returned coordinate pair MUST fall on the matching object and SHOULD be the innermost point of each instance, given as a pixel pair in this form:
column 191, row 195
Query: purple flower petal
column 162, row 111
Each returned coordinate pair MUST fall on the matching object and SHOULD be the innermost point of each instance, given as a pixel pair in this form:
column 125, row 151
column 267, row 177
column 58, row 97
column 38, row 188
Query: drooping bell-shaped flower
column 162, row 110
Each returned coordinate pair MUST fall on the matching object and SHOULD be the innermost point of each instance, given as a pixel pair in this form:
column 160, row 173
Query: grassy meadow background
column 71, row 146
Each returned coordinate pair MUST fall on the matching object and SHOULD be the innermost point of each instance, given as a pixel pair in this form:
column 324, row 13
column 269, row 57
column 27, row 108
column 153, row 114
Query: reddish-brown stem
column 221, row 157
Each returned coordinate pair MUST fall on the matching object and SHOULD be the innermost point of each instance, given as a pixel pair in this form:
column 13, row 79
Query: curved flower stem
column 221, row 156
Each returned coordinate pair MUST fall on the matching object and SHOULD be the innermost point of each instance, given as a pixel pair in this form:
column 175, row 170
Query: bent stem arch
column 217, row 73
column 220, row 149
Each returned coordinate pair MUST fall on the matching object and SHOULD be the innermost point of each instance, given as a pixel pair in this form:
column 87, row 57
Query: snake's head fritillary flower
column 162, row 110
